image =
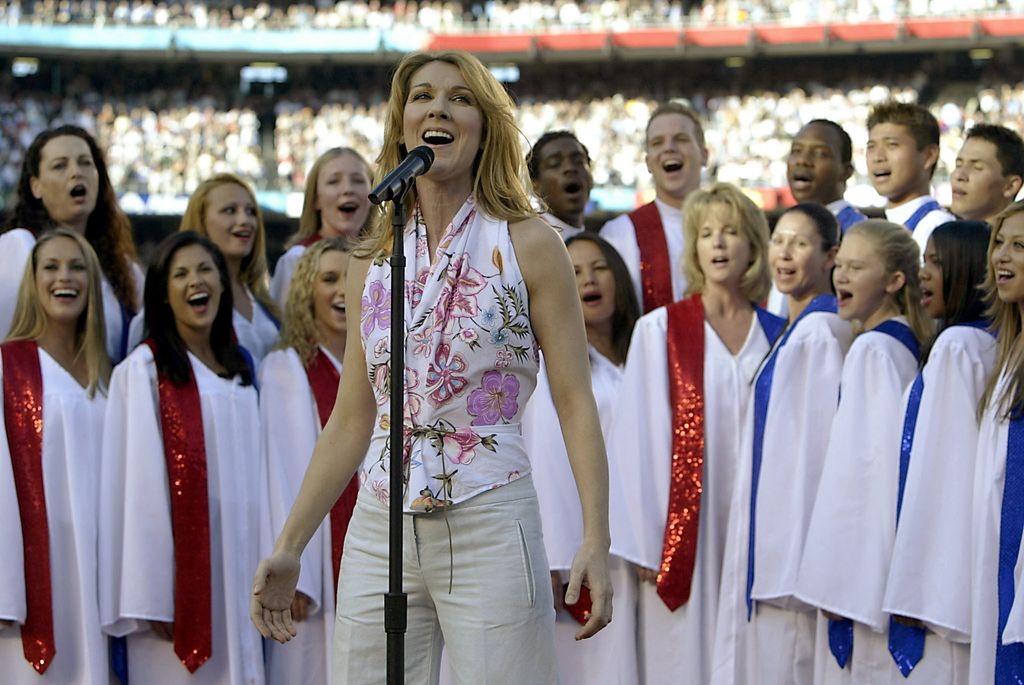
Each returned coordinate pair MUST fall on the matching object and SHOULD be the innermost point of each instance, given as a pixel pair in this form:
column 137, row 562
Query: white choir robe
column 258, row 335
column 850, row 536
column 610, row 656
column 72, row 428
column 989, row 481
column 15, row 248
column 281, row 283
column 675, row 646
column 136, row 542
column 777, row 644
column 927, row 575
column 621, row 233
column 291, row 424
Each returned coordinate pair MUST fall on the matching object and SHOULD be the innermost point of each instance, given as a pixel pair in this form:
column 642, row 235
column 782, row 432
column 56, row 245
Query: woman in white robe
column 996, row 655
column 927, row 575
column 290, row 414
column 726, row 265
column 64, row 182
column 764, row 634
column 61, row 337
column 609, row 312
column 188, row 302
column 335, row 205
column 852, row 526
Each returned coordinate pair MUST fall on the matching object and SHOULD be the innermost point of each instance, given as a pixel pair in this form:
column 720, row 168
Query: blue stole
column 1010, row 658
column 762, row 394
column 840, row 632
column 906, row 642
column 921, row 212
column 848, row 216
column 263, row 307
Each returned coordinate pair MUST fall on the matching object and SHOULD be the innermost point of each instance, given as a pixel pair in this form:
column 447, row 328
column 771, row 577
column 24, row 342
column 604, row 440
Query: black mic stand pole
column 396, row 605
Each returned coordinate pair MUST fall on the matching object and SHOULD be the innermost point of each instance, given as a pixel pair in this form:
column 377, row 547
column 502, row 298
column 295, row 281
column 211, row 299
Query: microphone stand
column 396, row 605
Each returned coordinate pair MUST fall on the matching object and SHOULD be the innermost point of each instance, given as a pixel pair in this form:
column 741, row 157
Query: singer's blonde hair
column 499, row 185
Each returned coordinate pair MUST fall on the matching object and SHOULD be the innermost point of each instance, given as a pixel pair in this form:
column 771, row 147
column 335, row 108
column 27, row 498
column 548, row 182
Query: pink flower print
column 421, row 340
column 443, row 375
column 416, row 287
column 503, row 359
column 495, row 401
column 380, row 378
column 381, row 348
column 376, row 309
column 466, row 282
column 468, row 336
column 460, row 446
column 380, row 490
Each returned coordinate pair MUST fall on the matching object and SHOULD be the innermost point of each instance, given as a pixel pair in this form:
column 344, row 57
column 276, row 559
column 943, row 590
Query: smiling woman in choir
column 55, row 370
column 183, row 485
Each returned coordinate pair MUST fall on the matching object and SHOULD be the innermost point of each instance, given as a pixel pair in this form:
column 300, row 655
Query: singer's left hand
column 590, row 568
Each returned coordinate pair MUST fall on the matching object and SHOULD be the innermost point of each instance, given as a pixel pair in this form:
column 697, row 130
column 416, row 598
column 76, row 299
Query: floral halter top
column 471, row 363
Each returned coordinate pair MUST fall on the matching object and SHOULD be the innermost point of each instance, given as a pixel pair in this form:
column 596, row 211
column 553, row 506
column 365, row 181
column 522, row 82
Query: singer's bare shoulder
column 542, row 256
column 535, row 239
column 355, row 279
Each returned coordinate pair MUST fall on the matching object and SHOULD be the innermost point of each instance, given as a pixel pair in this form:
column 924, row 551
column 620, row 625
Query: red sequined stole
column 323, row 379
column 23, row 421
column 655, row 265
column 685, row 341
column 181, row 422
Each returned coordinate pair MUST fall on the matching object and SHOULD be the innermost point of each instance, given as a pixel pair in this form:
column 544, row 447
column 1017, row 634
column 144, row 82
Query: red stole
column 323, row 379
column 181, row 422
column 23, row 420
column 685, row 341
column 311, row 240
column 655, row 265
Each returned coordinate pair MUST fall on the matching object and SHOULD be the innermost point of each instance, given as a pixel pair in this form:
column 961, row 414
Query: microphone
column 397, row 183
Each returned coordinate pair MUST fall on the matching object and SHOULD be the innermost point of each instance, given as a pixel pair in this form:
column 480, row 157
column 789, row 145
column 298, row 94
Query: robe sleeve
column 136, row 329
column 849, row 539
column 1014, row 630
column 15, row 249
column 290, row 425
column 136, row 545
column 642, row 429
column 804, row 398
column 283, row 271
column 557, row 496
column 12, row 550
column 927, row 577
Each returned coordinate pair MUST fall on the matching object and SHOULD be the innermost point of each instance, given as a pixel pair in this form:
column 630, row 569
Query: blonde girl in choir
column 852, row 526
column 764, row 634
column 490, row 288
column 55, row 370
column 685, row 391
column 925, row 593
column 298, row 385
column 997, row 654
column 183, row 514
column 64, row 183
column 609, row 311
column 335, row 205
column 223, row 209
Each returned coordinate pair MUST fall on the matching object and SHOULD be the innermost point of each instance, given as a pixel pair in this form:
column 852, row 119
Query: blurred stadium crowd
column 165, row 141
column 493, row 15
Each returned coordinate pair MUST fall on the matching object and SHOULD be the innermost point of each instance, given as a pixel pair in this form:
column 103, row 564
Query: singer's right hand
column 272, row 593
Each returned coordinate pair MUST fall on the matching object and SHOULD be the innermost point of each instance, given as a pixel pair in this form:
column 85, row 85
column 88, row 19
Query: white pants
column 492, row 607
column 780, row 646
